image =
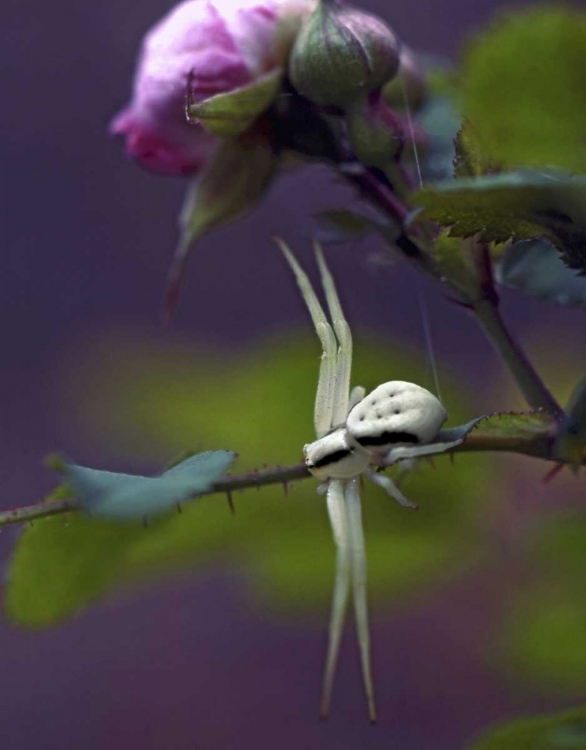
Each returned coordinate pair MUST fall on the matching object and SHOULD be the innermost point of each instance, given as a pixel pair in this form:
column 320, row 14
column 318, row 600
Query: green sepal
column 234, row 180
column 234, row 112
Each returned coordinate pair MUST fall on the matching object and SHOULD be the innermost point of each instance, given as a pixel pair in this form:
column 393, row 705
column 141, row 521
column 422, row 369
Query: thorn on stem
column 230, row 503
column 552, row 473
column 459, row 303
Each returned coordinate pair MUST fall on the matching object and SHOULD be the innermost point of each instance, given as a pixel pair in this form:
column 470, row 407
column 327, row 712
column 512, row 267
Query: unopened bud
column 409, row 88
column 374, row 130
column 341, row 54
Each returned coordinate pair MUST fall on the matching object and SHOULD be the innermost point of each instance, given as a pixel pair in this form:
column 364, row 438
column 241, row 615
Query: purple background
column 87, row 241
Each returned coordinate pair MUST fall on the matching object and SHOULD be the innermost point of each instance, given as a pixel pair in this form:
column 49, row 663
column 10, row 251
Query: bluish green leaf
column 236, row 177
column 535, row 267
column 440, row 121
column 445, row 440
column 126, row 497
column 459, row 433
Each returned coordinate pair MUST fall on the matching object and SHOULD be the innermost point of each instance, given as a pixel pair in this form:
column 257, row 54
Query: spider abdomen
column 396, row 413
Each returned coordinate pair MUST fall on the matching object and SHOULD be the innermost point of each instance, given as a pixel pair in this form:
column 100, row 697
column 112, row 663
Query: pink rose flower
column 224, row 44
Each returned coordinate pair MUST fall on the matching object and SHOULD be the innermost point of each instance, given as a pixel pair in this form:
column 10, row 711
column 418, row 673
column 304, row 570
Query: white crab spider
column 357, row 434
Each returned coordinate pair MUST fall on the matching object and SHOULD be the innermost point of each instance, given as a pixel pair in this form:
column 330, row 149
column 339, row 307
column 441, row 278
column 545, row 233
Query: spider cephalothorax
column 357, row 434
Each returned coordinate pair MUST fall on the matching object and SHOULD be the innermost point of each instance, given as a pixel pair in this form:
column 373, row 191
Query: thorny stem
column 277, row 475
column 526, row 377
column 535, row 442
column 487, row 313
column 386, row 200
column 485, row 309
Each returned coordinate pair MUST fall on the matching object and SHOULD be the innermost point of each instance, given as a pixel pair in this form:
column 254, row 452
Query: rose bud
column 221, row 46
column 342, row 54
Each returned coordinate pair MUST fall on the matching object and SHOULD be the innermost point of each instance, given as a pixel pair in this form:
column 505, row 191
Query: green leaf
column 535, row 267
column 514, row 424
column 126, row 497
column 559, row 731
column 453, row 263
column 237, row 176
column 469, row 161
column 234, row 112
column 514, row 205
column 543, row 639
column 524, row 89
column 530, row 433
column 261, row 402
column 82, row 560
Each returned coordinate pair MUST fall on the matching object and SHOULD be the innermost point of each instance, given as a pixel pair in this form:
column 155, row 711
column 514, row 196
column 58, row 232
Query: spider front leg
column 326, row 385
column 403, row 452
column 344, row 336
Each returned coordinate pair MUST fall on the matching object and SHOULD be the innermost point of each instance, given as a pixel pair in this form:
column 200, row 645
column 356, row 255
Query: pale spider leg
column 337, row 513
column 344, row 336
column 403, row 452
column 390, row 488
column 404, row 469
column 326, row 385
column 356, row 395
column 358, row 567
